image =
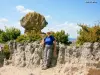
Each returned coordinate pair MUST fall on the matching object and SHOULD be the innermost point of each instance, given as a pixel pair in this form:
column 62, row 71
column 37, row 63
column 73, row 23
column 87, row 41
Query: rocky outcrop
column 87, row 53
column 73, row 60
column 33, row 22
column 80, row 60
column 27, row 54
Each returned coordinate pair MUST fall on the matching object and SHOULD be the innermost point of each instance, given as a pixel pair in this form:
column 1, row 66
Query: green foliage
column 1, row 31
column 22, row 38
column 4, row 37
column 88, row 34
column 61, row 37
column 9, row 34
column 33, row 21
column 12, row 33
column 34, row 37
column 29, row 38
column 6, row 51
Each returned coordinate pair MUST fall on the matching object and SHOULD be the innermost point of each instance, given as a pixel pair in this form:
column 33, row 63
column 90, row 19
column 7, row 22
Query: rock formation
column 33, row 21
column 71, row 60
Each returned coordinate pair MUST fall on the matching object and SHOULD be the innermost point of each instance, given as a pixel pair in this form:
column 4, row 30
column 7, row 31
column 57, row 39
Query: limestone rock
column 61, row 55
column 75, row 60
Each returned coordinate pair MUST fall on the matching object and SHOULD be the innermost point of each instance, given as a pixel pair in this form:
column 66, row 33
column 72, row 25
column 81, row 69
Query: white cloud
column 3, row 20
column 5, row 23
column 17, row 25
column 48, row 17
column 70, row 28
column 22, row 9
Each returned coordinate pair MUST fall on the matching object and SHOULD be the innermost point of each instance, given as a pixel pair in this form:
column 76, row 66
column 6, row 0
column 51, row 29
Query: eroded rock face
column 79, row 60
column 61, row 55
column 31, row 53
column 27, row 54
column 76, row 60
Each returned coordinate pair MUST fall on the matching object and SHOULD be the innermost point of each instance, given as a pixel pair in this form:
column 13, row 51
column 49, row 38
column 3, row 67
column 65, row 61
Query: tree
column 33, row 22
column 88, row 34
column 61, row 36
column 9, row 34
column 1, row 31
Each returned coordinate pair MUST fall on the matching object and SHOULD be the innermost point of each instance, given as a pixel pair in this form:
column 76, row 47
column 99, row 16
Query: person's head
column 48, row 33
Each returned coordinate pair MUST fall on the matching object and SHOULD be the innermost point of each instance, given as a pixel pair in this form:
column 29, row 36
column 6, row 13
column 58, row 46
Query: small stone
column 31, row 74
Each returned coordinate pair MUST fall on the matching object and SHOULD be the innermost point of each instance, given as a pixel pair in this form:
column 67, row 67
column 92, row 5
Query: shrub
column 34, row 36
column 12, row 33
column 60, row 36
column 6, row 51
column 9, row 34
column 1, row 31
column 4, row 37
column 29, row 37
column 88, row 34
column 22, row 38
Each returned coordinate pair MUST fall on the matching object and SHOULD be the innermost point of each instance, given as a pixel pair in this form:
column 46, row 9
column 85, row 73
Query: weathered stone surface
column 33, row 21
column 61, row 55
column 74, row 59
column 27, row 54
column 87, row 45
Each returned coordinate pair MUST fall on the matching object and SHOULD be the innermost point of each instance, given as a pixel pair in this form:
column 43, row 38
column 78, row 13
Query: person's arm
column 42, row 42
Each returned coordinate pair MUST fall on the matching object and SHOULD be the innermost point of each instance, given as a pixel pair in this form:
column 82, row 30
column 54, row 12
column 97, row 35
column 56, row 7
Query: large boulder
column 33, row 21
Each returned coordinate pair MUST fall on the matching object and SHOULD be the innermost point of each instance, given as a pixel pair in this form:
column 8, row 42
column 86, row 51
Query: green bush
column 12, row 33
column 60, row 36
column 4, row 37
column 88, row 34
column 6, row 51
column 29, row 37
column 22, row 38
column 34, row 36
column 9, row 34
column 1, row 31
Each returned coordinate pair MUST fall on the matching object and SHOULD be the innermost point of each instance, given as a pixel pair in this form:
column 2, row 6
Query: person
column 49, row 44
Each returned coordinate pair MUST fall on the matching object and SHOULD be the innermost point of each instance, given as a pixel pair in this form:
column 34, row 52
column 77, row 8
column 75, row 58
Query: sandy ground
column 11, row 70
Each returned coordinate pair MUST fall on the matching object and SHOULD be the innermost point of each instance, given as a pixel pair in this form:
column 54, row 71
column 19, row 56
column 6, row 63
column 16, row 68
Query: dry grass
column 94, row 72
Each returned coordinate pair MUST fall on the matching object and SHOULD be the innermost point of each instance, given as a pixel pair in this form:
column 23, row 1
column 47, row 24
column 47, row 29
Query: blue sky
column 60, row 14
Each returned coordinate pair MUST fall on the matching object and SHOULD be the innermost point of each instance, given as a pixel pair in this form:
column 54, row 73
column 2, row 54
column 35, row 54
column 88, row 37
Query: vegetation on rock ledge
column 88, row 34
